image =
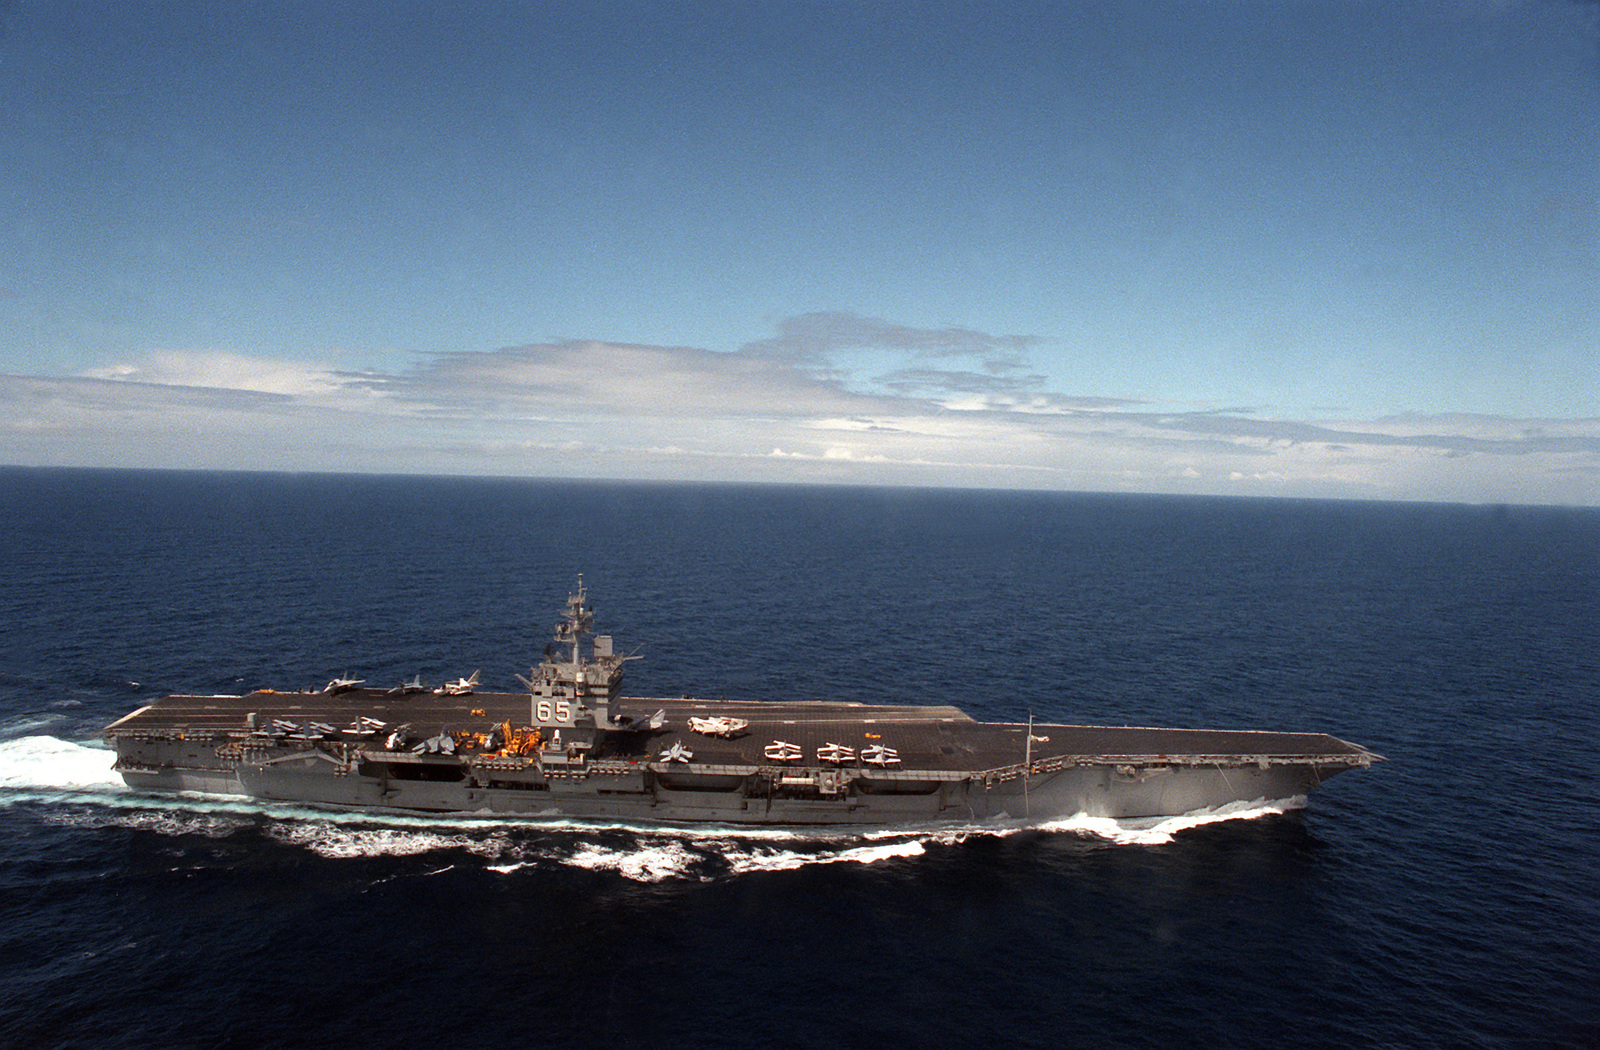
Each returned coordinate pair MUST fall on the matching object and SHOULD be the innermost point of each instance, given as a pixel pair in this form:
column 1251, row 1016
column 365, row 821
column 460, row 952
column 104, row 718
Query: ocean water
column 1449, row 897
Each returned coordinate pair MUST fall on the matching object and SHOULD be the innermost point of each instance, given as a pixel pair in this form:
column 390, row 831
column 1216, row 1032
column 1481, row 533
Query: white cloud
column 585, row 377
column 224, row 370
column 769, row 412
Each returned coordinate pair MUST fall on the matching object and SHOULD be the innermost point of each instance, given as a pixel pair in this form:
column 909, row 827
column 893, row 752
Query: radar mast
column 571, row 690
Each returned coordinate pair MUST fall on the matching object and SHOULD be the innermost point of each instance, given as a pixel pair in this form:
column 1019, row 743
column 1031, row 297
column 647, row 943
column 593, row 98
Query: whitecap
column 330, row 839
column 788, row 860
column 647, row 862
column 162, row 822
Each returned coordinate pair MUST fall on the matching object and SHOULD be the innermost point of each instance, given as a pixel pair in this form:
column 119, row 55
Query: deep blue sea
column 1449, row 897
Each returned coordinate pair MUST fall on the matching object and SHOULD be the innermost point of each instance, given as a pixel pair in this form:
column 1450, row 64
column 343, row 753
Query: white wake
column 45, row 764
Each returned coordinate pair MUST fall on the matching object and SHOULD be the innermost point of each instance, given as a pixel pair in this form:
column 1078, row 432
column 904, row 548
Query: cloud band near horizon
column 830, row 397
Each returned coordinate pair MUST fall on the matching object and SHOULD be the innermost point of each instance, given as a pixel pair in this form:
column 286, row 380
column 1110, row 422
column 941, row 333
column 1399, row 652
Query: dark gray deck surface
column 936, row 738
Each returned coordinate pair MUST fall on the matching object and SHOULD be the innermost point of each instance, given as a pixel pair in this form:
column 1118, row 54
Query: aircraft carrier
column 572, row 746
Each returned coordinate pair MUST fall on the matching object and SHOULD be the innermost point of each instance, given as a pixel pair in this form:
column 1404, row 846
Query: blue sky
column 1304, row 249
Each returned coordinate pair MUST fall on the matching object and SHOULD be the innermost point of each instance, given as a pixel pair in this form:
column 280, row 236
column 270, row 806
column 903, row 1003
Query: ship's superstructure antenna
column 571, row 692
column 579, row 622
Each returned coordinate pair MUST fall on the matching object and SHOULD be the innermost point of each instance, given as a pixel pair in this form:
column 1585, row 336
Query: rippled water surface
column 1447, row 897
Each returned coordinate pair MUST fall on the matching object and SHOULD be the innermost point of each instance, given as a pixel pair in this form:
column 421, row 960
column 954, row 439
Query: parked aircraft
column 459, row 687
column 677, row 753
column 782, row 751
column 878, row 755
column 838, row 754
column 719, row 726
column 342, row 685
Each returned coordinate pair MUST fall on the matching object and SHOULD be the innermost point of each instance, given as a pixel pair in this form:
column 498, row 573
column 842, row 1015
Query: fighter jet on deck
column 342, row 685
column 677, row 753
column 459, row 687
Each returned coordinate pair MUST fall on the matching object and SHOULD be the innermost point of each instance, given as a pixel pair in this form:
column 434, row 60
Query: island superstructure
column 573, row 746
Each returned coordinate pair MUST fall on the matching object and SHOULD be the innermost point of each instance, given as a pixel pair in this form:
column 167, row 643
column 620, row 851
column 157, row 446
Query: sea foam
column 45, row 764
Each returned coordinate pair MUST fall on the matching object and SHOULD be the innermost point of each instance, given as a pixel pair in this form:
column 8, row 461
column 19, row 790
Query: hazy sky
column 1330, row 249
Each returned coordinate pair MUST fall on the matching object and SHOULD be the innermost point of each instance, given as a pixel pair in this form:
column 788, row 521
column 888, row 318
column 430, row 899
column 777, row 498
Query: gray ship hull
column 949, row 767
column 1093, row 791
